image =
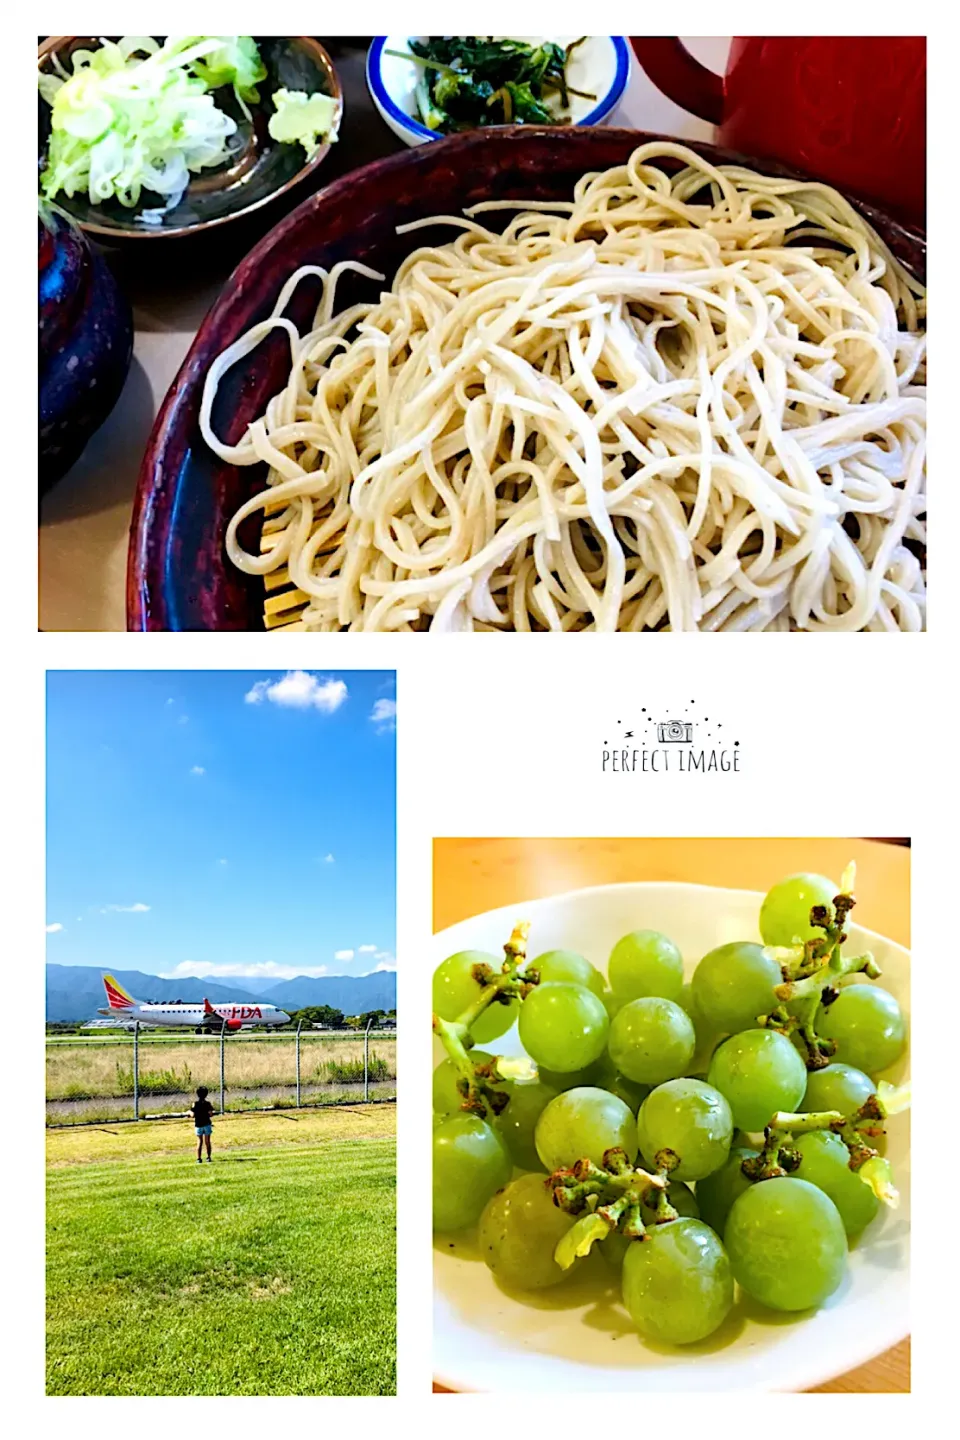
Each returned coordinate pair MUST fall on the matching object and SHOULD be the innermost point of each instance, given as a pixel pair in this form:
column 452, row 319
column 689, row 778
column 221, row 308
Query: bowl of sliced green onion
column 160, row 136
column 428, row 86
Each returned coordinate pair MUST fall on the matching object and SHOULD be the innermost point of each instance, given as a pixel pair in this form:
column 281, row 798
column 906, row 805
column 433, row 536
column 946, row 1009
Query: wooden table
column 470, row 876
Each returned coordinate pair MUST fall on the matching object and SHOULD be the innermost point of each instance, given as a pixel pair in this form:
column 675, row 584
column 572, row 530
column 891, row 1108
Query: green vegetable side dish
column 469, row 81
column 135, row 119
column 768, row 1214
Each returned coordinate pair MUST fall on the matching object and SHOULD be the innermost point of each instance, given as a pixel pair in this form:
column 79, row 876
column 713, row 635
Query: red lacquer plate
column 178, row 575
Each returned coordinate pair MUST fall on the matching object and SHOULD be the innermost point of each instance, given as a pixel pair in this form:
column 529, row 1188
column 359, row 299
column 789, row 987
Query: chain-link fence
column 145, row 1074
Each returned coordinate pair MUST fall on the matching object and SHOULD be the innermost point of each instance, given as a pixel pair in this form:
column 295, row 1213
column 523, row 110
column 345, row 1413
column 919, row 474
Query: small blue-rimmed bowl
column 600, row 67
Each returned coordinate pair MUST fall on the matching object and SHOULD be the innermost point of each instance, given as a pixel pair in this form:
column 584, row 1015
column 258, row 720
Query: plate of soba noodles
column 530, row 379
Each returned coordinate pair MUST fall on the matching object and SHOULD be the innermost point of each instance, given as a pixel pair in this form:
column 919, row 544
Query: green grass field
column 78, row 1069
column 270, row 1272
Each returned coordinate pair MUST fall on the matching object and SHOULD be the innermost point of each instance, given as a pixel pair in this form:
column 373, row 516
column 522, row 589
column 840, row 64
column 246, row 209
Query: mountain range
column 75, row 992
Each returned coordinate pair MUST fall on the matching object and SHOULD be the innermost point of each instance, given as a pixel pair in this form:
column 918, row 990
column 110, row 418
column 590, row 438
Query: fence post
column 136, row 1069
column 223, row 1032
column 299, row 1023
column 366, row 1059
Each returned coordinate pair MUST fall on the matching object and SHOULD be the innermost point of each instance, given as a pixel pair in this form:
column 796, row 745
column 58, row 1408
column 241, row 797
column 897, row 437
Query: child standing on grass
column 202, row 1112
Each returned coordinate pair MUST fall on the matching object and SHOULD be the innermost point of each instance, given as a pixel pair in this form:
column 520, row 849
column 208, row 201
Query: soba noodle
column 688, row 401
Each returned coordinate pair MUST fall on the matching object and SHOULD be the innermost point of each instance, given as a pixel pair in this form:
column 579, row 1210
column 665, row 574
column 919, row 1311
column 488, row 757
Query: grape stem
column 608, row 1197
column 779, row 1156
column 477, row 1082
column 504, row 986
column 812, row 972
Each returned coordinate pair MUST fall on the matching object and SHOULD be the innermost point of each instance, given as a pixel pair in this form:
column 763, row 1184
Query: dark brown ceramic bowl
column 178, row 576
column 261, row 169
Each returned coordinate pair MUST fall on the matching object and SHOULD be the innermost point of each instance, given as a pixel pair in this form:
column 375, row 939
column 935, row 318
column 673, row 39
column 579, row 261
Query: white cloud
column 390, row 965
column 222, row 862
column 55, row 928
column 197, row 770
column 171, row 701
column 366, row 949
column 384, row 715
column 183, row 720
column 137, row 908
column 343, row 955
column 328, row 859
column 239, row 970
column 301, row 691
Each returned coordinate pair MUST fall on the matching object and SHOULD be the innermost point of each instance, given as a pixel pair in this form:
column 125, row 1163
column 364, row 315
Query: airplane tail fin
column 207, row 1007
column 117, row 997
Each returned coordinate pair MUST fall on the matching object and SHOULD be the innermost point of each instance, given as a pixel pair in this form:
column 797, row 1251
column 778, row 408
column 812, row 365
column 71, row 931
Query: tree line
column 332, row 1019
column 325, row 1015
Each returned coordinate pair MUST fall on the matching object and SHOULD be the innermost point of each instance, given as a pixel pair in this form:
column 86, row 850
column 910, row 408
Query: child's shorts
column 204, row 1129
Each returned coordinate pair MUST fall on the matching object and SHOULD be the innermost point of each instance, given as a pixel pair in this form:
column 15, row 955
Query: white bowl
column 578, row 1336
column 601, row 67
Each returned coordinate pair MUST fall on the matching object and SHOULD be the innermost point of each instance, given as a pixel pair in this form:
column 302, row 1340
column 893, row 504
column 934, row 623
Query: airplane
column 205, row 1016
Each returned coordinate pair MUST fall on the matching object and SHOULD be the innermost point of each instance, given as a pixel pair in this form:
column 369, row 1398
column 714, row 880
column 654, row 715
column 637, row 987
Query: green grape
column 645, row 963
column 785, row 912
column 613, row 1248
column 733, row 986
column 446, row 1097
column 605, row 1076
column 759, row 1072
column 470, row 1162
column 612, row 1003
column 518, row 1121
column 690, row 1118
column 567, row 965
column 837, row 1087
column 567, row 1079
column 520, row 1229
column 627, row 1090
column 717, row 1192
column 867, row 1024
column 786, row 1243
column 686, row 1001
column 651, row 1040
column 563, row 1026
column 708, row 1036
column 825, row 1162
column 455, row 990
column 677, row 1283
column 583, row 1124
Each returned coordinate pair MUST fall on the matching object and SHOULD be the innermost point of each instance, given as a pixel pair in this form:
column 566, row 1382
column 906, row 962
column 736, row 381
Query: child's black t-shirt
column 202, row 1112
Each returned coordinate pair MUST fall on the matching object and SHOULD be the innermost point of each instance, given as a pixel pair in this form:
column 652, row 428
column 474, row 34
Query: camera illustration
column 675, row 732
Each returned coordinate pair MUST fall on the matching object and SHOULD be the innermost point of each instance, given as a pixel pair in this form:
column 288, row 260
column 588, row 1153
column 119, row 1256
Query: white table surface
column 85, row 519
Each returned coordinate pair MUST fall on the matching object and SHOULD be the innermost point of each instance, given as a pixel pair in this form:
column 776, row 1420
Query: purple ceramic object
column 85, row 343
column 178, row 575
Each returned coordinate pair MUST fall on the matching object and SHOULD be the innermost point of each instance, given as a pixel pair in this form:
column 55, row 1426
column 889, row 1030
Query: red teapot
column 850, row 110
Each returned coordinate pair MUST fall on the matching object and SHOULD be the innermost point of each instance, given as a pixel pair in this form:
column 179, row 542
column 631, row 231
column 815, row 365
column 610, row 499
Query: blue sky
column 221, row 823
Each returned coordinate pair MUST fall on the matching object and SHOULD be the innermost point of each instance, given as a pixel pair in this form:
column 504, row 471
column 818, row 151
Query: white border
column 484, row 746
